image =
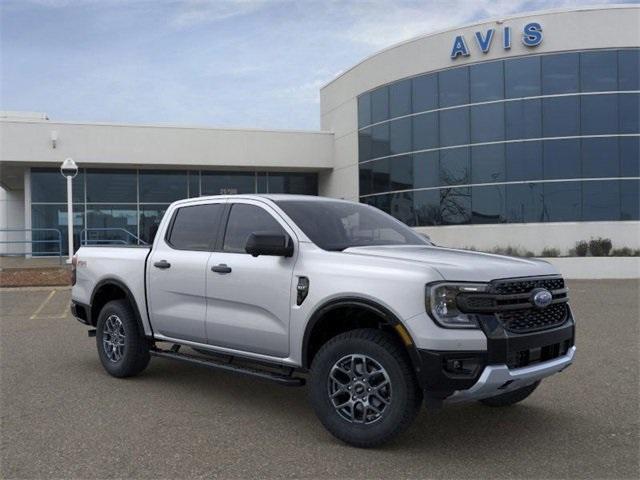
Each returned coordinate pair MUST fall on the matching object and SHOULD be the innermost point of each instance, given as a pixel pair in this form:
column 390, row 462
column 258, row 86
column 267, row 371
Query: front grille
column 510, row 300
column 511, row 287
column 532, row 319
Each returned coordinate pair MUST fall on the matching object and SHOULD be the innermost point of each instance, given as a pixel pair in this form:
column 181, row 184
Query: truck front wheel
column 510, row 398
column 362, row 387
column 123, row 349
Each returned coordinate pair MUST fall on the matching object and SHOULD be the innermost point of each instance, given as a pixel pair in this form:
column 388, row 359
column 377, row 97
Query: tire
column 510, row 398
column 387, row 361
column 132, row 355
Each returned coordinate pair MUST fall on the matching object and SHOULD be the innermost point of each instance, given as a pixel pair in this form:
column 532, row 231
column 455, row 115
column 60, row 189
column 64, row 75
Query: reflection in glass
column 454, row 127
column 598, row 114
column 488, row 204
column 227, row 183
column 629, row 156
column 523, row 119
column 560, row 116
column 488, row 164
column 365, row 147
column 599, row 71
column 629, row 199
column 53, row 216
column 194, row 184
column 524, row 203
column 487, row 81
column 426, row 169
column 522, row 77
column 454, row 87
column 601, row 200
column 110, row 223
column 427, row 207
column 400, row 98
column 561, row 159
column 400, row 135
column 380, row 105
column 425, row 92
column 523, row 161
column 381, row 176
column 107, row 186
column 380, row 140
column 629, row 69
column 560, row 73
column 402, row 207
column 294, row 183
column 455, row 205
column 150, row 216
column 162, row 186
column 454, row 166
column 600, row 157
column 366, row 178
column 487, row 123
column 364, row 110
column 629, row 112
column 48, row 185
column 562, row 201
column 401, row 172
column 425, row 131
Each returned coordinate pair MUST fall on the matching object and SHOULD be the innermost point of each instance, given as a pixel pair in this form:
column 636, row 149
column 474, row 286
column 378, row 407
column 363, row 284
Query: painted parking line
column 43, row 304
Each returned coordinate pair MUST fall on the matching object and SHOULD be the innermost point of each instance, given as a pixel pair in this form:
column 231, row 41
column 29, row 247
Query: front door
column 177, row 270
column 249, row 298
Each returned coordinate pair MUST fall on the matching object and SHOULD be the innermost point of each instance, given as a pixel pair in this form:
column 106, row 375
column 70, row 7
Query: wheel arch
column 370, row 311
column 110, row 289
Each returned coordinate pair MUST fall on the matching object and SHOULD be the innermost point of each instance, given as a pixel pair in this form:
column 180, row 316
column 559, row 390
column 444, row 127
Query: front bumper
column 510, row 361
column 498, row 379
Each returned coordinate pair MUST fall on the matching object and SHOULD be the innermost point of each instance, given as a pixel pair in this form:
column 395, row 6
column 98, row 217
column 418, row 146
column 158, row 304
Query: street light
column 69, row 170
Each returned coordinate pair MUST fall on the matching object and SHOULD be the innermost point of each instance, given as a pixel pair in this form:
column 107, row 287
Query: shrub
column 513, row 251
column 600, row 247
column 625, row 252
column 550, row 252
column 582, row 248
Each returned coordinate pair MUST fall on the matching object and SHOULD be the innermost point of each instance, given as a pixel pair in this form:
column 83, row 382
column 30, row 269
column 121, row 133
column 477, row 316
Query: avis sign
column 531, row 37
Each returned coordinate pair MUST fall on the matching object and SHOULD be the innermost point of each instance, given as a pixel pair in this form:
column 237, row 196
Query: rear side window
column 245, row 219
column 196, row 228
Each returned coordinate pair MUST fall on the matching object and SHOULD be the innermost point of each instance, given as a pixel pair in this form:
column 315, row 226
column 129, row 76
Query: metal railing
column 57, row 240
column 129, row 238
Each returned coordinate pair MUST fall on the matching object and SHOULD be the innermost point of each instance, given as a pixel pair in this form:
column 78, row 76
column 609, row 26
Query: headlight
column 443, row 308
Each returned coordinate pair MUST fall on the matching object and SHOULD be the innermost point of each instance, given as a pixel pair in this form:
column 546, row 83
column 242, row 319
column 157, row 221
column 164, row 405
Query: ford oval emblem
column 542, row 298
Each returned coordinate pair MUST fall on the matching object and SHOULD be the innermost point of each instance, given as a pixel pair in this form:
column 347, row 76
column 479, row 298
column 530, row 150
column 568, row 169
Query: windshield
column 334, row 225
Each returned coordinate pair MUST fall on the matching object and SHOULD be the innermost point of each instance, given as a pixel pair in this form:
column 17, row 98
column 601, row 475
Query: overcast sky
column 242, row 63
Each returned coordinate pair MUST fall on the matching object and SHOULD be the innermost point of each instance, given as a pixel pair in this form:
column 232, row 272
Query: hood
column 461, row 265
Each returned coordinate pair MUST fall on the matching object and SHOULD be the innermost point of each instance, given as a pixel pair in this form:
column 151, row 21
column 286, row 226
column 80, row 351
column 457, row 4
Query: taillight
column 74, row 264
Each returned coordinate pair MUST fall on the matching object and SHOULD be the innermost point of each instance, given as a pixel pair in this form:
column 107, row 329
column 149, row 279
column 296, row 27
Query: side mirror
column 267, row 243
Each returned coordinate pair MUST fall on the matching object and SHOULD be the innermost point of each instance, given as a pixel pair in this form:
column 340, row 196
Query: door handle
column 222, row 268
column 162, row 264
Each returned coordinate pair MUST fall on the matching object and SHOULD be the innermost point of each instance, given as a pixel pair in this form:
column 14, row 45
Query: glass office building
column 123, row 206
column 541, row 138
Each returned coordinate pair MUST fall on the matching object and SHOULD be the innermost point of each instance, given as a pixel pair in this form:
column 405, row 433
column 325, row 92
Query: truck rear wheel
column 363, row 389
column 122, row 348
column 510, row 398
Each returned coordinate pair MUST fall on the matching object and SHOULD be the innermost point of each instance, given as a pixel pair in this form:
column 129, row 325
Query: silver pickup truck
column 297, row 289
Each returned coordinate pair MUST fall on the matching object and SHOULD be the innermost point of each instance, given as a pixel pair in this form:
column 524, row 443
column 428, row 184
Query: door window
column 245, row 219
column 196, row 227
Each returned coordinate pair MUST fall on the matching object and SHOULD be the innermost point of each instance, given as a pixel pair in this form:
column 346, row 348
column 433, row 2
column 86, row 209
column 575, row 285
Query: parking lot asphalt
column 64, row 417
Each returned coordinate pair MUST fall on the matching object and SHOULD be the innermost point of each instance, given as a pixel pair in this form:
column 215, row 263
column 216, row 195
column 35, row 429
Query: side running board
column 281, row 378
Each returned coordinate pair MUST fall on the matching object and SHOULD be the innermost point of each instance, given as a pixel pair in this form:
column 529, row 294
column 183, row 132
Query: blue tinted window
column 599, row 114
column 454, row 87
column 600, row 157
column 524, row 203
column 294, row 183
column 455, row 205
column 629, row 69
column 194, row 184
column 599, row 71
column 364, row 110
column 52, row 216
column 629, row 156
column 601, row 200
column 425, row 131
column 426, row 205
column 400, row 98
column 365, row 146
column 629, row 112
column 425, row 92
column 401, row 172
column 48, row 185
column 487, row 123
column 162, row 186
column 560, row 116
column 262, row 183
column 454, row 127
column 522, row 77
column 380, row 104
column 381, row 176
column 426, row 169
column 488, row 204
column 455, row 166
column 366, row 178
column 111, row 186
column 562, row 201
column 115, row 220
column 523, row 161
column 523, row 119
column 380, row 140
column 560, row 73
column 487, row 81
column 487, row 164
column 400, row 135
column 629, row 200
column 561, row 159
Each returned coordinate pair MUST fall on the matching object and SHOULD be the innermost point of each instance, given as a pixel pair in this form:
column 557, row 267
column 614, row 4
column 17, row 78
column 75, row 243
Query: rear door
column 178, row 272
column 249, row 298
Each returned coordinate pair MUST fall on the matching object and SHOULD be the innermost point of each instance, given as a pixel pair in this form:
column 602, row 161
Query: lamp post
column 69, row 170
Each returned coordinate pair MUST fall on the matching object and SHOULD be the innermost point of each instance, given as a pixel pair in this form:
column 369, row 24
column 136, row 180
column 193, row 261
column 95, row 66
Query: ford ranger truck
column 294, row 289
